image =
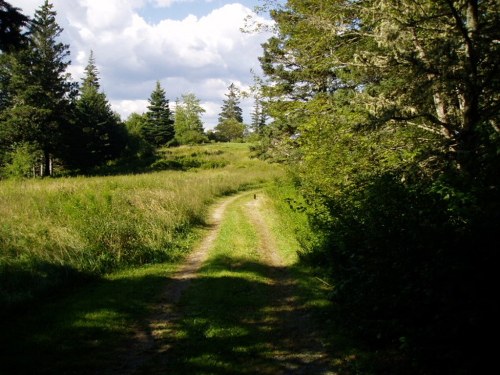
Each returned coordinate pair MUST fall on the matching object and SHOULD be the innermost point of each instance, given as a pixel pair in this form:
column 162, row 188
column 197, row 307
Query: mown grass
column 238, row 316
column 54, row 231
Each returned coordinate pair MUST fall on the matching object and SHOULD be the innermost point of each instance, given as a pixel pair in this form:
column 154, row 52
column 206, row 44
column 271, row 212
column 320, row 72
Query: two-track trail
column 235, row 306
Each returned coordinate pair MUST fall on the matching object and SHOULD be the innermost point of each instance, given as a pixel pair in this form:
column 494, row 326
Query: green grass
column 85, row 332
column 54, row 232
column 235, row 318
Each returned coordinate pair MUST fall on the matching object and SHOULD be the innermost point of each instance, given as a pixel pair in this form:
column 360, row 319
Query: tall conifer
column 159, row 127
column 40, row 89
column 99, row 135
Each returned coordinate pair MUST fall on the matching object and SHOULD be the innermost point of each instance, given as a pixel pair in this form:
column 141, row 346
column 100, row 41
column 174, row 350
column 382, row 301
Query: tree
column 11, row 23
column 230, row 107
column 259, row 117
column 230, row 130
column 98, row 135
column 158, row 129
column 40, row 89
column 137, row 145
column 390, row 111
column 188, row 123
column 230, row 126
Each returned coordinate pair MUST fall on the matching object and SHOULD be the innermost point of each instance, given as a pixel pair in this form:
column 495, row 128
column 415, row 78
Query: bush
column 21, row 161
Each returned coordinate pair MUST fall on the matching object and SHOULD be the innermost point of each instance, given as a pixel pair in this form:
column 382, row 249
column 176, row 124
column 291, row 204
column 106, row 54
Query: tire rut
column 295, row 344
column 143, row 345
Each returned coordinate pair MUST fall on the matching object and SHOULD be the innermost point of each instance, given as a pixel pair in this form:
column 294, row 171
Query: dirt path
column 291, row 345
column 296, row 344
column 143, row 345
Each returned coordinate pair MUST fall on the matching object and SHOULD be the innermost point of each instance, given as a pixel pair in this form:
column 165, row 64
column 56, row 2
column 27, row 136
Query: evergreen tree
column 230, row 107
column 11, row 23
column 158, row 129
column 188, row 124
column 98, row 135
column 259, row 117
column 40, row 89
column 230, row 126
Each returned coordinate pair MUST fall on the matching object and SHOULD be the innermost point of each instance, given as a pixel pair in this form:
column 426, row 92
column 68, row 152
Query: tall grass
column 50, row 229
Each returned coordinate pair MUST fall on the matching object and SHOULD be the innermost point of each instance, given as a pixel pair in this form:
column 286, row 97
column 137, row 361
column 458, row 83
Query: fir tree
column 11, row 23
column 258, row 117
column 158, row 129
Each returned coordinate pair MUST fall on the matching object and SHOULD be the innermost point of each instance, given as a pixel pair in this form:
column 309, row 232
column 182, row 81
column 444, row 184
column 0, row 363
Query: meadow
column 54, row 232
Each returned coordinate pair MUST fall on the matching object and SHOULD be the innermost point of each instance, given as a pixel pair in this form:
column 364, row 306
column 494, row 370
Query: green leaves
column 383, row 111
column 188, row 124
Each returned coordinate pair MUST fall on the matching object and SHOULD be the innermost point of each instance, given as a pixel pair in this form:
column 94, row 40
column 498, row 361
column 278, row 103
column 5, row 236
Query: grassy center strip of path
column 251, row 309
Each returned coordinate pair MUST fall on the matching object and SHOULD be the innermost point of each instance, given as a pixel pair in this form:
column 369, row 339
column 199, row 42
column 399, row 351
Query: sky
column 190, row 46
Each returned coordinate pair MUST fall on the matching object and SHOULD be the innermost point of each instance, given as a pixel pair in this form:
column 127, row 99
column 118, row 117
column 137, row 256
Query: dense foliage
column 158, row 129
column 98, row 134
column 188, row 124
column 388, row 112
column 37, row 105
column 11, row 23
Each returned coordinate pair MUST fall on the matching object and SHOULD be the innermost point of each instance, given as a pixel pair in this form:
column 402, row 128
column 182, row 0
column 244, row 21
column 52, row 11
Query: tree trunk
column 46, row 164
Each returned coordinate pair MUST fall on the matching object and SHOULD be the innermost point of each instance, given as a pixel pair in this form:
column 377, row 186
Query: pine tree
column 188, row 124
column 158, row 129
column 40, row 89
column 99, row 135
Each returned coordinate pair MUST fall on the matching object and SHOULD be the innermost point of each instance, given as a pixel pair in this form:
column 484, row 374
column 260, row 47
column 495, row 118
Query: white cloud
column 202, row 55
column 126, row 107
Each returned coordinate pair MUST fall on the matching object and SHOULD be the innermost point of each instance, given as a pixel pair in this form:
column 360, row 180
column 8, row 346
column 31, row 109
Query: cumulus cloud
column 202, row 55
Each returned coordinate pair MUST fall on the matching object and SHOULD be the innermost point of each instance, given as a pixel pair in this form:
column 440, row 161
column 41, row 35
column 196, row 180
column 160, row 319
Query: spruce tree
column 11, row 23
column 230, row 126
column 258, row 117
column 231, row 106
column 40, row 89
column 99, row 135
column 158, row 129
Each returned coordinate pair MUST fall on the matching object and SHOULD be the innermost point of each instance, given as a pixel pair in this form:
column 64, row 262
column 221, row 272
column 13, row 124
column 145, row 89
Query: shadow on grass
column 249, row 318
column 236, row 317
column 81, row 333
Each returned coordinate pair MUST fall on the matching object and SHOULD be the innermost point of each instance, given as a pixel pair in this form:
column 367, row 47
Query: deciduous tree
column 188, row 123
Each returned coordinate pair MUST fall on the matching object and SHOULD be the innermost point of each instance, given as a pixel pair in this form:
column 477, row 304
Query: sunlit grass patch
column 100, row 224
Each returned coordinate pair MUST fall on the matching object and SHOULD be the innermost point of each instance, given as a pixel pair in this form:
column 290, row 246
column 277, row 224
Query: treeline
column 388, row 114
column 49, row 123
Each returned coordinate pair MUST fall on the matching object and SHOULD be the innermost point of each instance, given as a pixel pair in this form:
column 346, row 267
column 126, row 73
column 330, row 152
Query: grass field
column 54, row 232
column 241, row 315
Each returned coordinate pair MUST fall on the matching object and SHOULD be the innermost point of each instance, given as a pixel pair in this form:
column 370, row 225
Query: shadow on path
column 233, row 324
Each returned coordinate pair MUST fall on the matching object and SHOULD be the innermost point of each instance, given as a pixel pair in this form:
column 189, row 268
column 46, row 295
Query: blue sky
column 188, row 45
column 181, row 9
